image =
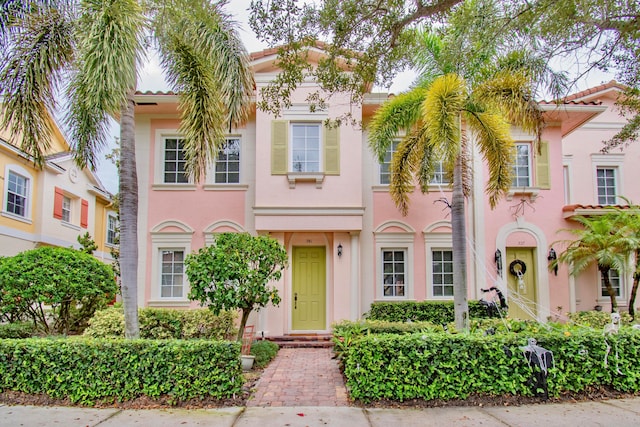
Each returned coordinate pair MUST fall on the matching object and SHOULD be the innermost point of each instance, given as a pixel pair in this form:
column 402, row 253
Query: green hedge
column 17, row 330
column 264, row 351
column 87, row 371
column 437, row 312
column 165, row 323
column 445, row 366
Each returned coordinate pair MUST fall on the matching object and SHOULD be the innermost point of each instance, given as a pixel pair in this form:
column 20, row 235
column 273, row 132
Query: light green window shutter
column 331, row 151
column 543, row 170
column 279, row 147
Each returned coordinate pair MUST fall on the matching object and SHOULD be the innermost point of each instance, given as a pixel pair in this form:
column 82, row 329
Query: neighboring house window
column 439, row 174
column 614, row 278
column 393, row 270
column 442, row 273
column 606, row 182
column 174, row 161
column 172, row 273
column 305, row 147
column 66, row 209
column 522, row 166
column 17, row 194
column 228, row 163
column 112, row 229
column 385, row 166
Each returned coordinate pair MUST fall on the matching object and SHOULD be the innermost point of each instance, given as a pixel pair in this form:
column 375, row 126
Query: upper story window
column 606, row 185
column 305, row 147
column 385, row 166
column 112, row 229
column 439, row 174
column 17, row 194
column 442, row 272
column 228, row 163
column 522, row 166
column 174, row 166
column 394, row 272
column 66, row 209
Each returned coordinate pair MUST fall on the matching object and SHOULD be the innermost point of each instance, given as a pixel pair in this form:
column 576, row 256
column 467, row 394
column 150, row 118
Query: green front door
column 308, row 305
column 522, row 287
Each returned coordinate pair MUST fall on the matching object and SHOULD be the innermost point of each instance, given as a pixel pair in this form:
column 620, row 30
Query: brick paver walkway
column 301, row 377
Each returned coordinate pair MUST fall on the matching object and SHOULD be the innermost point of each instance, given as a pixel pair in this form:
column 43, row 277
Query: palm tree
column 601, row 239
column 448, row 105
column 92, row 50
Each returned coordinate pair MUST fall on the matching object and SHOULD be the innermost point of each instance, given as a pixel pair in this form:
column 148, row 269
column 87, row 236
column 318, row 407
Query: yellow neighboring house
column 54, row 205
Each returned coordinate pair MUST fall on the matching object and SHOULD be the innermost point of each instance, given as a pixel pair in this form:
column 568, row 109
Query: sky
column 151, row 78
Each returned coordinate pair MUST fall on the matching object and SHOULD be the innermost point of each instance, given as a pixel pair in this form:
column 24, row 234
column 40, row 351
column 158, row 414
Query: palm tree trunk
column 461, row 307
column 607, row 284
column 129, row 220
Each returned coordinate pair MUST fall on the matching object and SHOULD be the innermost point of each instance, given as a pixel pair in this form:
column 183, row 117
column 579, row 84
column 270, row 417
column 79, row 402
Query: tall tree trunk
column 129, row 219
column 607, row 284
column 243, row 322
column 461, row 307
column 632, row 297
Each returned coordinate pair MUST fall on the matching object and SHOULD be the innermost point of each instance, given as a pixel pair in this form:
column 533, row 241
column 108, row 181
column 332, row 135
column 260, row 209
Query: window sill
column 174, row 187
column 296, row 177
column 169, row 303
column 69, row 225
column 17, row 217
column 225, row 187
column 384, row 188
column 393, row 299
column 531, row 192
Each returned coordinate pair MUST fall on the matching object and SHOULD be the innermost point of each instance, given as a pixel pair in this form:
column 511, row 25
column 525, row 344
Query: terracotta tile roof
column 274, row 50
column 595, row 89
column 575, row 207
column 159, row 92
column 568, row 102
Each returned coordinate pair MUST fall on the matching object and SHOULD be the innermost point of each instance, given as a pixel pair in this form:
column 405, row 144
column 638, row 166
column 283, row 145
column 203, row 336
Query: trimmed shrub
column 264, row 351
column 87, row 371
column 444, row 366
column 436, row 312
column 597, row 319
column 16, row 330
column 165, row 323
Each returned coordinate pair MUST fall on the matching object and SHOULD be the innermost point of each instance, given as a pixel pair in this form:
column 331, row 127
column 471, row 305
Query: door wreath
column 521, row 270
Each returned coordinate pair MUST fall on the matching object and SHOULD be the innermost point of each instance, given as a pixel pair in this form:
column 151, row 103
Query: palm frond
column 497, row 147
column 110, row 47
column 406, row 161
column 441, row 111
column 399, row 113
column 38, row 49
column 207, row 64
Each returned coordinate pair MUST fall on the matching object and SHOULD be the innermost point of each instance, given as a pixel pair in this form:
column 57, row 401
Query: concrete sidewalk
column 619, row 413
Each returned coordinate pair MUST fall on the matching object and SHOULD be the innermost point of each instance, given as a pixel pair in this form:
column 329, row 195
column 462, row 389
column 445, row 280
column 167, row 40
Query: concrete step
column 303, row 341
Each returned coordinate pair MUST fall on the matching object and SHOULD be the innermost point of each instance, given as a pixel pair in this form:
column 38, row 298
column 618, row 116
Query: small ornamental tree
column 71, row 283
column 234, row 273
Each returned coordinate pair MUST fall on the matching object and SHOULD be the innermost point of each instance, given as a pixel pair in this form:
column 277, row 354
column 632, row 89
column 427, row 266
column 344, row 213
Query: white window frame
column 20, row 171
column 603, row 199
column 603, row 296
column 161, row 135
column 388, row 155
column 114, row 217
column 395, row 242
column 529, row 176
column 440, row 175
column 67, row 209
column 162, row 273
column 226, row 162
column 608, row 161
column 180, row 241
column 435, row 242
column 433, row 274
column 320, row 160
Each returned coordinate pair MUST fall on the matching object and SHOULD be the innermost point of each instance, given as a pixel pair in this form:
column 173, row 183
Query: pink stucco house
column 324, row 196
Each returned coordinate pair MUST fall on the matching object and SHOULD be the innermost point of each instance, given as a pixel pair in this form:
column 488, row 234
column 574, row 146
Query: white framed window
column 439, row 174
column 385, row 166
column 306, row 147
column 227, row 167
column 394, row 265
column 174, row 163
column 66, row 209
column 112, row 229
column 442, row 272
column 616, row 283
column 606, row 185
column 172, row 278
column 17, row 193
column 522, row 165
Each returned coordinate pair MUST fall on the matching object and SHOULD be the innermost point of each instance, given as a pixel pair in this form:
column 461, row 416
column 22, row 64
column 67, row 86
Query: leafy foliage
column 163, row 323
column 234, row 273
column 87, row 371
column 87, row 244
column 264, row 351
column 435, row 312
column 16, row 330
column 72, row 283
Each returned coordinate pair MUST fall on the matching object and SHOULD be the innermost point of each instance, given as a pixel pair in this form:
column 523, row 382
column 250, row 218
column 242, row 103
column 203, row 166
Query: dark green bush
column 436, row 312
column 449, row 366
column 264, row 351
column 596, row 319
column 58, row 289
column 165, row 323
column 87, row 371
column 16, row 330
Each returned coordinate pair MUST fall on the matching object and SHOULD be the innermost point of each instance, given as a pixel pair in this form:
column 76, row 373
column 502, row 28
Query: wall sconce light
column 551, row 258
column 339, row 250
